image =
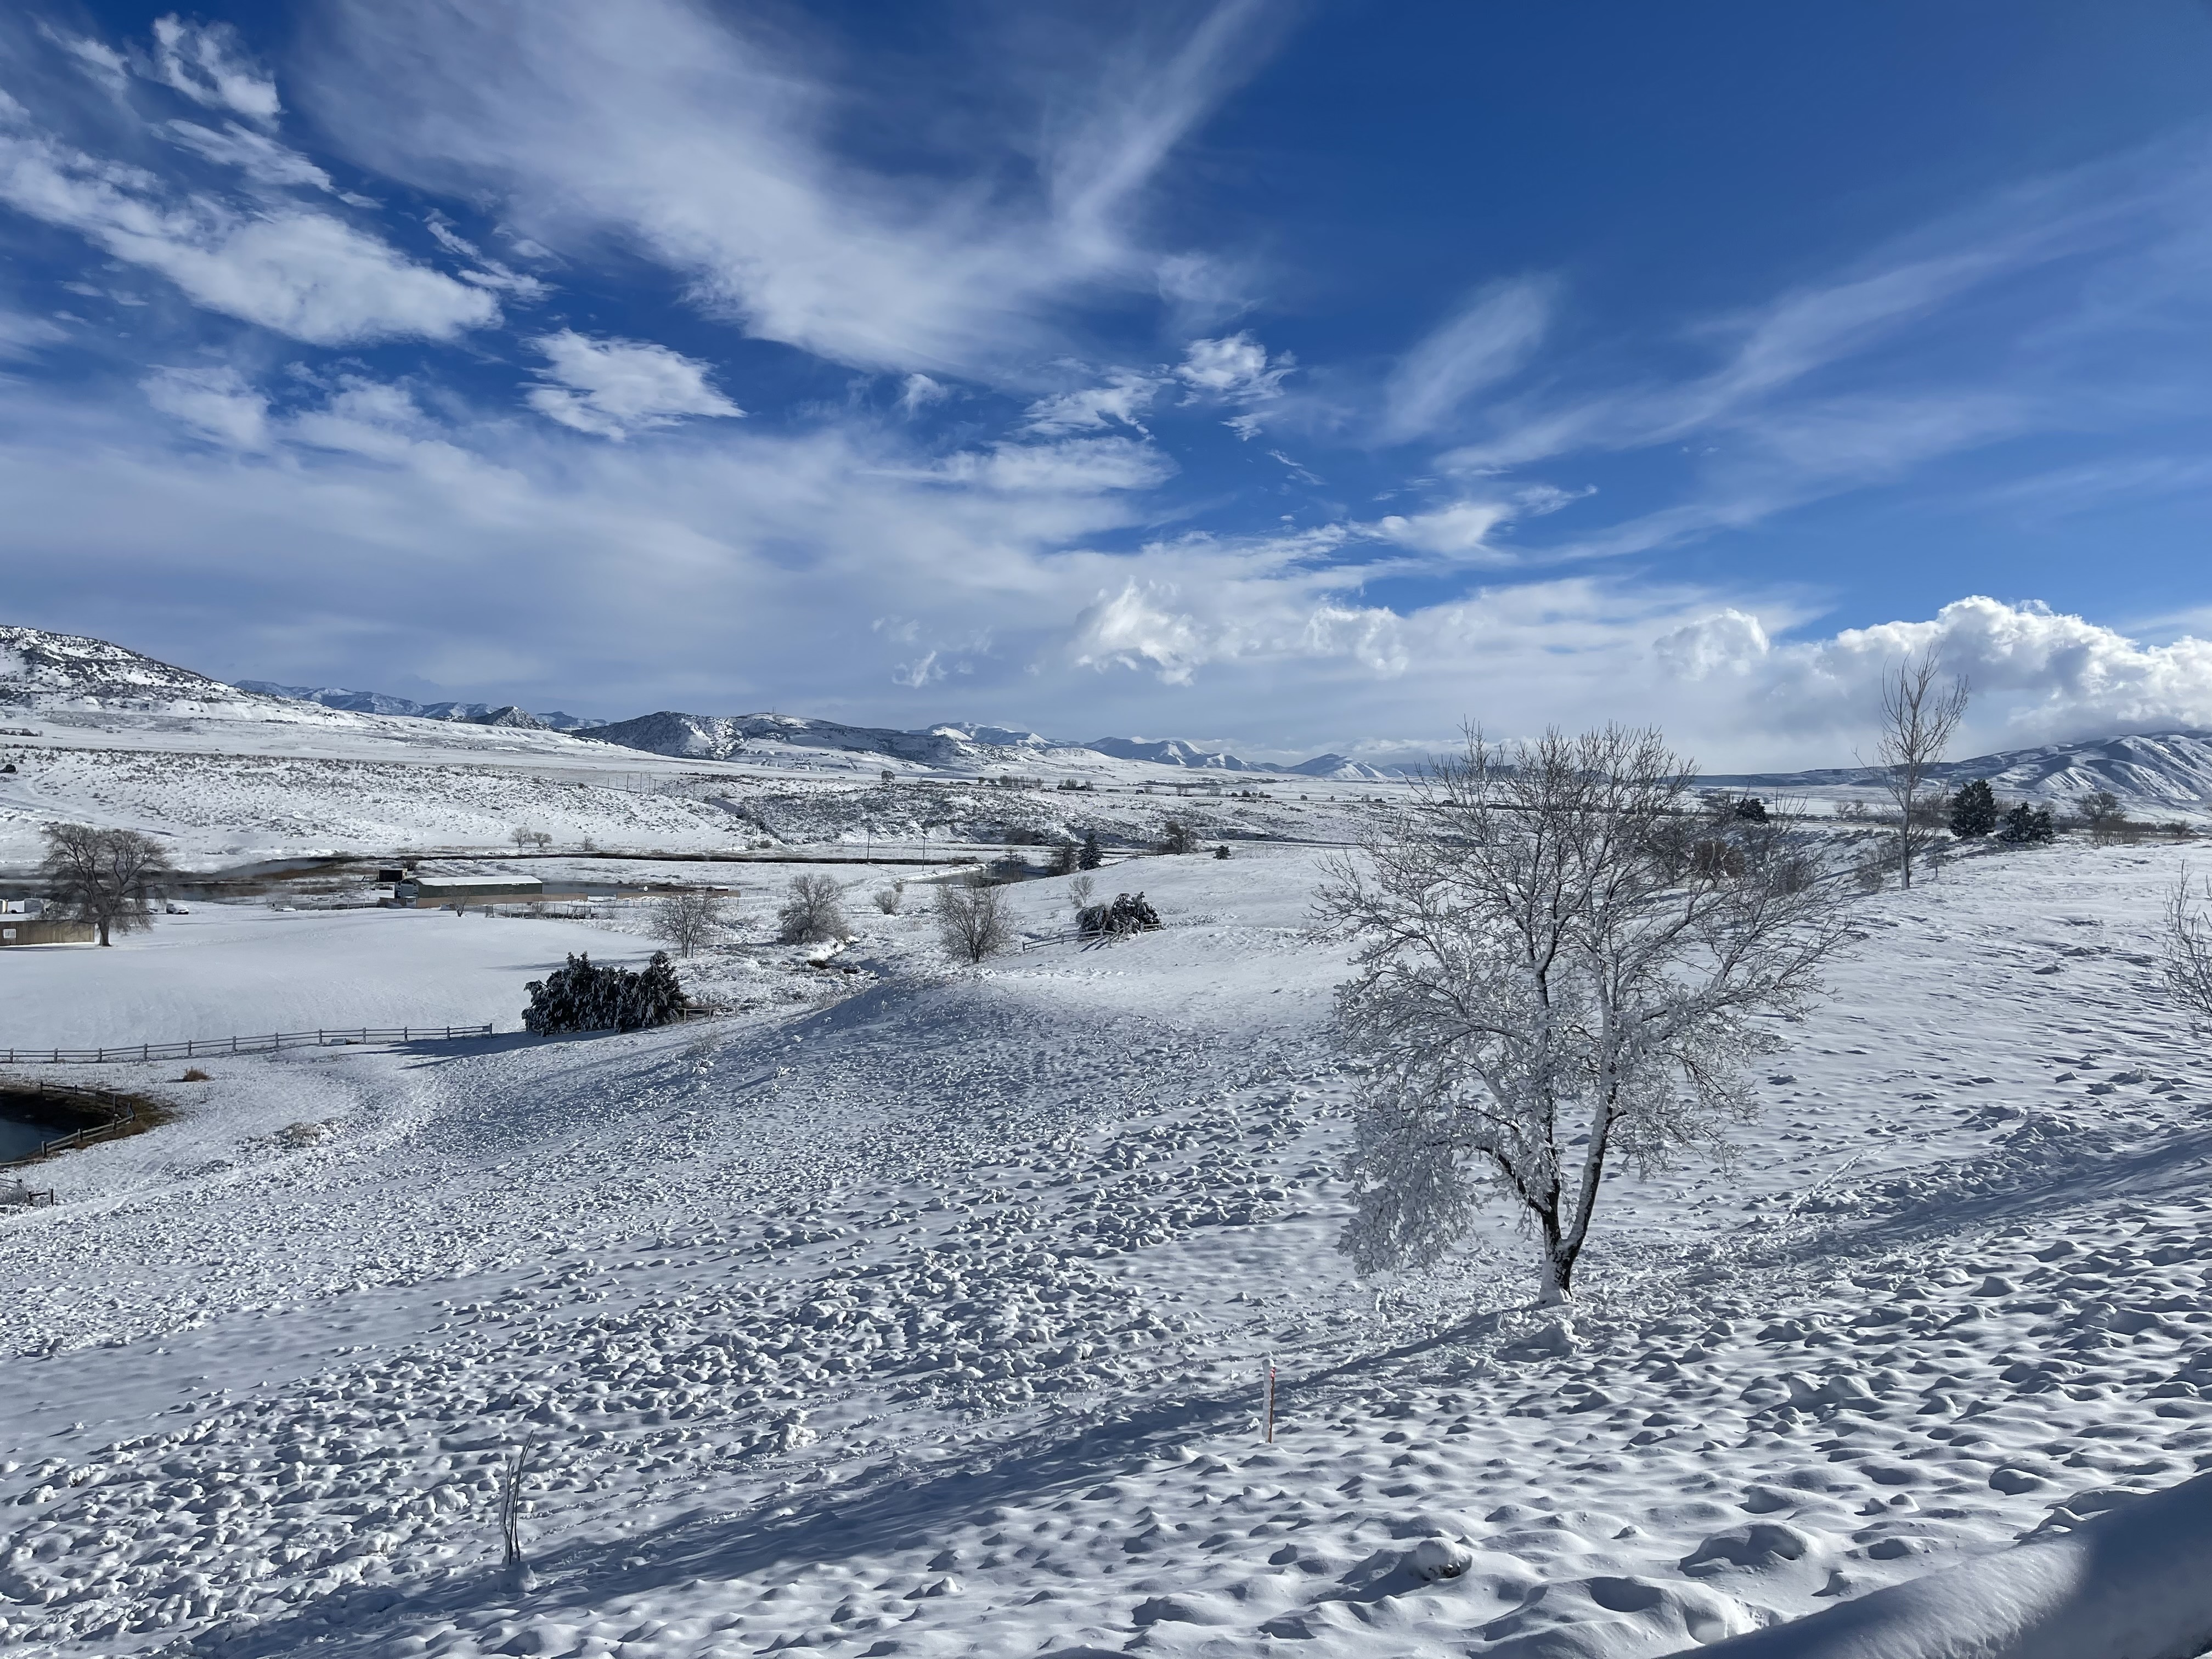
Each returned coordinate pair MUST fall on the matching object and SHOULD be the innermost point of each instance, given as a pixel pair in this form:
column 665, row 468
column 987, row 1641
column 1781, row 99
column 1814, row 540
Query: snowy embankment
column 2131, row 1584
column 930, row 1319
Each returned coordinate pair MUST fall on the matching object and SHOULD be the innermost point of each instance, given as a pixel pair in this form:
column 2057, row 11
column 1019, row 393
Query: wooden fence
column 208, row 1048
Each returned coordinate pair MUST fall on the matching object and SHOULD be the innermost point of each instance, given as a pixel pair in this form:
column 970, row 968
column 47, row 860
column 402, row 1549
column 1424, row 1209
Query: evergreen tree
column 1974, row 810
column 2027, row 826
column 1091, row 858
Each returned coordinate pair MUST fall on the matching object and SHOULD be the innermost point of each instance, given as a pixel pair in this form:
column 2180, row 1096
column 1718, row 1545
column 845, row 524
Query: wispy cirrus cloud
column 568, row 113
column 1488, row 338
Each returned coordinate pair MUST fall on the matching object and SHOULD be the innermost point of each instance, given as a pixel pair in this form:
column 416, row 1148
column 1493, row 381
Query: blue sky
column 1297, row 377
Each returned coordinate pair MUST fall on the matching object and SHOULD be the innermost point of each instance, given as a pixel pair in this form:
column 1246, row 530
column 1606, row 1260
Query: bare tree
column 2187, row 956
column 1918, row 719
column 972, row 922
column 813, row 913
column 523, row 836
column 689, row 920
column 889, row 899
column 102, row 876
column 1549, row 986
column 1080, row 890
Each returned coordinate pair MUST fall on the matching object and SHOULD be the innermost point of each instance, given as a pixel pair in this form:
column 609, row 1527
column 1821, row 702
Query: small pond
column 21, row 1140
column 28, row 1121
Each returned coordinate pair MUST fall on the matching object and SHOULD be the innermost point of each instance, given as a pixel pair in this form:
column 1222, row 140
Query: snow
column 2127, row 1582
column 914, row 1311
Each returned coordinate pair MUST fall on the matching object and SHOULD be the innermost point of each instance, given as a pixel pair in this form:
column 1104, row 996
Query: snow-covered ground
column 236, row 970
column 921, row 1312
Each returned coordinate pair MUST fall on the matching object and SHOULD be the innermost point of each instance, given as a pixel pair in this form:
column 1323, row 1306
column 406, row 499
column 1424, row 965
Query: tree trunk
column 1558, row 1278
column 1559, row 1261
column 103, row 930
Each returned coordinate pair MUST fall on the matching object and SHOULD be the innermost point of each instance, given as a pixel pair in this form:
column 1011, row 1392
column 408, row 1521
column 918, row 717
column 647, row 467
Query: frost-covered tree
column 1091, row 857
column 1550, row 985
column 972, row 922
column 812, row 911
column 1918, row 719
column 689, row 920
column 104, row 877
column 1973, row 810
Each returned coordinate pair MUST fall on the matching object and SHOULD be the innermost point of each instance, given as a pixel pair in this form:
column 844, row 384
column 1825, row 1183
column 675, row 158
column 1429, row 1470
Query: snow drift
column 2129, row 1585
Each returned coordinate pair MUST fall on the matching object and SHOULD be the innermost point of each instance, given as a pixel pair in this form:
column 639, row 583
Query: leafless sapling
column 511, row 1476
column 1546, row 989
column 1918, row 717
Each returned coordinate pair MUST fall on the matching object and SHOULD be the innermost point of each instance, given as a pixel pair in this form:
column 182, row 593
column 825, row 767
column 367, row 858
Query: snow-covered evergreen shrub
column 1125, row 914
column 583, row 996
column 2027, row 826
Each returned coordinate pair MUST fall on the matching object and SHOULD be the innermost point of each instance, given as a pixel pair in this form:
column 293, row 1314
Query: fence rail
column 208, row 1047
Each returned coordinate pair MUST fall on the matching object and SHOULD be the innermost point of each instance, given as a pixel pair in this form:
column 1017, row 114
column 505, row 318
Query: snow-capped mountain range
column 40, row 669
column 2170, row 768
column 380, row 702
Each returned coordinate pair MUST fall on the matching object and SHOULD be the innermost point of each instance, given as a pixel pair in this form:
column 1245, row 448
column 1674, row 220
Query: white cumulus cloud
column 615, row 387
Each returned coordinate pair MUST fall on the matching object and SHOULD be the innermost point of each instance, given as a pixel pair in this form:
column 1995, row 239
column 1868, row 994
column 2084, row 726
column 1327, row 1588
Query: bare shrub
column 689, row 920
column 2186, row 956
column 972, row 922
column 889, row 899
column 813, row 913
column 193, row 1074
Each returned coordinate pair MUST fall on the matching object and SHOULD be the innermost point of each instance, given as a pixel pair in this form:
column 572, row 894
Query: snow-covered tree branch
column 1561, row 970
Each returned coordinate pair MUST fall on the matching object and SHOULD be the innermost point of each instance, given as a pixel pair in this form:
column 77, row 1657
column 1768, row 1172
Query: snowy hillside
column 41, row 670
column 916, row 1313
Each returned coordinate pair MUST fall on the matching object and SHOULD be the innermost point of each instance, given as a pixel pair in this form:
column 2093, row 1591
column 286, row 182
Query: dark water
column 22, row 1139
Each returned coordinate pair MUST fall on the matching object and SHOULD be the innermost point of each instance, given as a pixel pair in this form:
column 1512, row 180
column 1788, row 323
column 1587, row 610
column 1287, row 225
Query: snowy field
column 922, row 1313
column 236, row 970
